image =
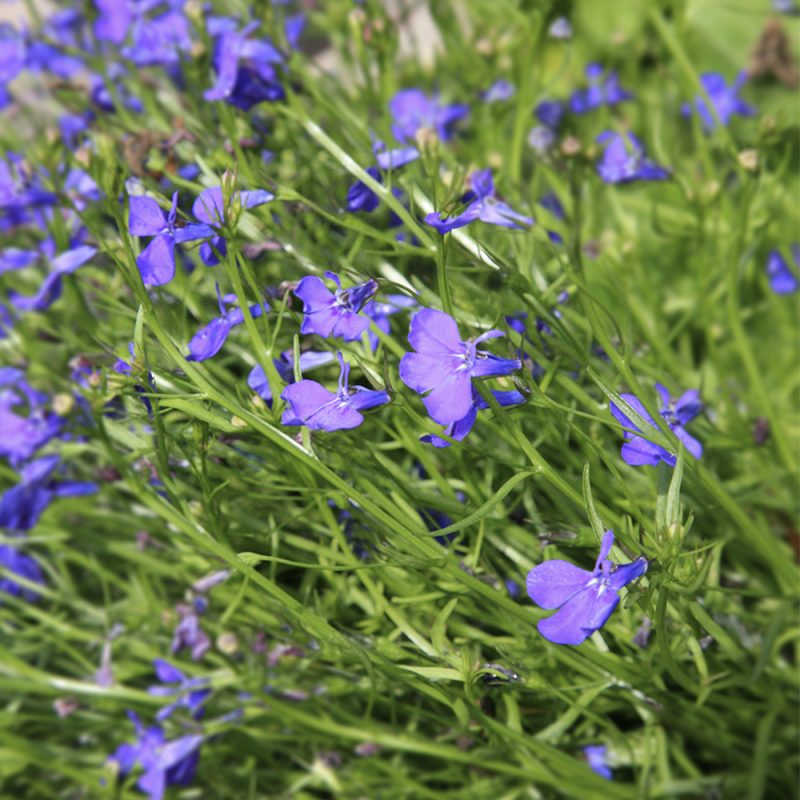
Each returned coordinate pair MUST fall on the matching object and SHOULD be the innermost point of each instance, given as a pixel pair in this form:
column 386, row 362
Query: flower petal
column 553, row 583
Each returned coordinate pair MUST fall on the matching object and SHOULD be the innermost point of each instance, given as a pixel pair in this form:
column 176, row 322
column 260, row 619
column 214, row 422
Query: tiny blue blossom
column 482, row 205
column 412, row 110
column 585, row 600
column 782, row 279
column 724, row 99
column 636, row 450
column 596, row 756
column 284, row 364
column 624, row 160
column 603, row 90
column 312, row 405
column 334, row 314
column 443, row 366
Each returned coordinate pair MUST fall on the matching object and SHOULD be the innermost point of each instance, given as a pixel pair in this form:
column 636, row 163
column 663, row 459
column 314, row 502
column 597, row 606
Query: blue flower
column 157, row 261
column 190, row 693
column 284, row 364
column 50, row 290
column 18, row 563
column 782, row 279
column 114, row 18
column 550, row 113
column 23, row 435
column 637, row 451
column 160, row 40
column 624, row 160
column 585, row 600
column 334, row 314
column 164, row 763
column 246, row 69
column 23, row 504
column 208, row 341
column 483, row 205
column 603, row 89
column 460, row 429
column 560, row 29
column 12, row 59
column 312, row 405
column 444, row 366
column 412, row 110
column 724, row 99
column 596, row 756
column 209, row 208
column 500, row 90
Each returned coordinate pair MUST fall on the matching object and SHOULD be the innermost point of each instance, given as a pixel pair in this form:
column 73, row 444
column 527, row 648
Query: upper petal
column 552, row 583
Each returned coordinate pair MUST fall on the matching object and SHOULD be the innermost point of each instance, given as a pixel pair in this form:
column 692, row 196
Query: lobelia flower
column 312, row 405
column 208, row 341
column 50, row 290
column 550, row 113
column 60, row 31
column 380, row 311
column 191, row 692
column 114, row 18
column 146, row 218
column 500, row 90
column 725, row 100
column 624, row 161
column 483, row 205
column 164, row 763
column 359, row 196
column 209, row 208
column 443, row 366
column 160, row 40
column 782, row 279
column 603, row 89
column 18, row 563
column 12, row 59
column 541, row 139
column 23, row 436
column 560, row 29
column 330, row 313
column 293, row 28
column 460, row 429
column 412, row 110
column 636, row 450
column 596, row 757
column 284, row 364
column 246, row 69
column 585, row 600
column 188, row 632
column 23, row 504
column 122, row 367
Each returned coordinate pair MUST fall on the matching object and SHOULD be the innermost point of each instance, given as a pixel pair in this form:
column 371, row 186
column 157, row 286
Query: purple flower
column 12, row 58
column 412, row 110
column 293, row 29
column 157, row 261
column 334, row 314
column 585, row 600
column 191, row 692
column 624, row 161
column 724, row 99
column 25, row 566
column 310, row 359
column 603, row 89
column 550, row 113
column 208, row 341
column 596, row 755
column 160, row 40
column 443, row 366
column 246, row 70
column 23, row 435
column 50, row 290
column 164, row 763
column 460, row 429
column 23, row 504
column 312, row 405
column 500, row 90
column 209, row 208
column 113, row 20
column 360, row 197
column 637, row 450
column 379, row 311
column 483, row 205
column 782, row 279
column 541, row 139
column 560, row 29
column 189, row 633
